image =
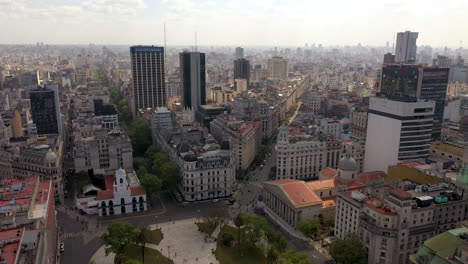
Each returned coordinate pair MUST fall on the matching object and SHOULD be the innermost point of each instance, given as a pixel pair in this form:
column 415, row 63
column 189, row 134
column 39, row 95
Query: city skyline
column 279, row 23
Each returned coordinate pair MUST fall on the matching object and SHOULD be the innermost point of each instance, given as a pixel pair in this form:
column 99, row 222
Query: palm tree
column 141, row 239
column 239, row 222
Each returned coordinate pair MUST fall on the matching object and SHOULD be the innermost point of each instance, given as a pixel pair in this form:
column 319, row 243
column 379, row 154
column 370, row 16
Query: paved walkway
column 182, row 243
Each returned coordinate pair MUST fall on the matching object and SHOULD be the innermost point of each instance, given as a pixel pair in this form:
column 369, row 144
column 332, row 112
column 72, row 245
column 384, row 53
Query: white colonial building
column 123, row 194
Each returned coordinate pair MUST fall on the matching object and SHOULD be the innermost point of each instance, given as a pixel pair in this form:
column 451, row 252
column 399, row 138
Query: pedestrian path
column 73, row 234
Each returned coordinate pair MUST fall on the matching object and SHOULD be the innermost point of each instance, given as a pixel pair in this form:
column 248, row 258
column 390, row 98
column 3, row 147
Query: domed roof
column 183, row 147
column 50, row 156
column 347, row 164
column 189, row 156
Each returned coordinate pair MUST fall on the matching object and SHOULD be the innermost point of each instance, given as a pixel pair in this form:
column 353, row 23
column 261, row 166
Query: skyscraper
column 239, row 52
column 193, row 79
column 398, row 129
column 405, row 51
column 420, row 82
column 242, row 69
column 278, row 68
column 149, row 90
column 45, row 110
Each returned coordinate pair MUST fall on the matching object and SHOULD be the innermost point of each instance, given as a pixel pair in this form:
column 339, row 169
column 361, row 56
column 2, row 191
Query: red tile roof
column 105, row 195
column 299, row 194
column 329, row 202
column 401, row 193
column 329, row 172
column 371, row 176
column 323, row 184
column 137, row 190
column 410, row 164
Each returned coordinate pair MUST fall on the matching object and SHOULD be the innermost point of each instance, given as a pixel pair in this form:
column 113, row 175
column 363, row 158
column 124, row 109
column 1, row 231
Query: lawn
column 230, row 255
column 155, row 236
column 152, row 256
column 206, row 228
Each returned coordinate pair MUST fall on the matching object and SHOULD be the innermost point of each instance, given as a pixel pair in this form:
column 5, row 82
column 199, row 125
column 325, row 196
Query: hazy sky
column 229, row 22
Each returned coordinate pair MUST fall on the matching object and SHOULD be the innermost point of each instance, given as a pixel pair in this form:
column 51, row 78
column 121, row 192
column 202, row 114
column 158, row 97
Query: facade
column 389, row 58
column 193, row 79
column 149, row 87
column 208, row 172
column 421, row 82
column 245, row 138
column 358, row 125
column 45, row 110
column 123, row 194
column 332, row 127
column 162, row 119
column 300, row 157
column 242, row 69
column 392, row 219
column 278, row 68
column 99, row 148
column 355, row 149
column 402, row 128
column 405, row 50
column 448, row 151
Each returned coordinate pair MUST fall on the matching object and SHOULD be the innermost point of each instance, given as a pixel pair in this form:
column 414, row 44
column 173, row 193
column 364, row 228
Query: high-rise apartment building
column 242, row 69
column 420, row 82
column 398, row 129
column 278, row 68
column 405, row 50
column 193, row 79
column 239, row 52
column 45, row 110
column 149, row 87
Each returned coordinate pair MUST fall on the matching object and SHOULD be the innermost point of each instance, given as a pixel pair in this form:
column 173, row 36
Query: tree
column 310, row 227
column 239, row 222
column 138, row 162
column 216, row 216
column 277, row 241
column 348, row 251
column 170, row 175
column 255, row 228
column 227, row 239
column 140, row 135
column 151, row 183
column 118, row 236
column 272, row 256
column 291, row 257
column 159, row 160
column 141, row 238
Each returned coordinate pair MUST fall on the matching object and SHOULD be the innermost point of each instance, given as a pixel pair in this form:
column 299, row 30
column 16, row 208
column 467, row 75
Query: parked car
column 215, row 200
column 62, row 247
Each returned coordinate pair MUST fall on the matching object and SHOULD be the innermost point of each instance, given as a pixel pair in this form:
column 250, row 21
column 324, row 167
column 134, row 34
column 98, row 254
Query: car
column 62, row 247
column 261, row 167
column 215, row 200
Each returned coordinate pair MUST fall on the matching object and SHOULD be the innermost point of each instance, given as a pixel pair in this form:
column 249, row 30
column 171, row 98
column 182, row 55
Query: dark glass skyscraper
column 149, row 87
column 242, row 69
column 193, row 79
column 45, row 111
column 428, row 83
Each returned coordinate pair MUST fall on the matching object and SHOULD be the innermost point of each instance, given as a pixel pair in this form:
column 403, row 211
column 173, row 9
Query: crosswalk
column 73, row 234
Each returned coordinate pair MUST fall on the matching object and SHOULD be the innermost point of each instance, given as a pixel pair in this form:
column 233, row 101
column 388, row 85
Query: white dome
column 347, row 164
column 50, row 156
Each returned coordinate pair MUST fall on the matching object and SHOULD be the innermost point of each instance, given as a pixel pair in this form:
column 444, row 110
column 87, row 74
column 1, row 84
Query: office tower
column 420, row 82
column 192, row 79
column 242, row 69
column 45, row 110
column 405, row 51
column 149, row 90
column 398, row 129
column 389, row 58
column 442, row 62
column 278, row 68
column 239, row 53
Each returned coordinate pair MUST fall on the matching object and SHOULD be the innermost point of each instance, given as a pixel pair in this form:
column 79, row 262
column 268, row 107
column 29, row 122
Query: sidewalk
column 182, row 243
